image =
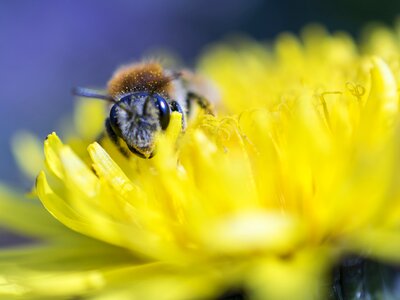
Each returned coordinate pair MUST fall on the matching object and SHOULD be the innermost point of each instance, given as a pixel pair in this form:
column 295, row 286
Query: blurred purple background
column 47, row 47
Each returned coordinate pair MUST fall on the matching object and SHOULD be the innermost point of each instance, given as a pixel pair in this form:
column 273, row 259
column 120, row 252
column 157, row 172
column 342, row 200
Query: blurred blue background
column 47, row 47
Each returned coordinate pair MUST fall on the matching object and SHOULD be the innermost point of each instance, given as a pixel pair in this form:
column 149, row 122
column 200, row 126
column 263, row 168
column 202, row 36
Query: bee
column 142, row 97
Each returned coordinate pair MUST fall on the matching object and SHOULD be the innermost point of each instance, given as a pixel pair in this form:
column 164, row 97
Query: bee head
column 137, row 117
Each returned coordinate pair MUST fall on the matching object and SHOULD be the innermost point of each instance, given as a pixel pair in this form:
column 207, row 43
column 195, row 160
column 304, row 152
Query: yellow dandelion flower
column 299, row 169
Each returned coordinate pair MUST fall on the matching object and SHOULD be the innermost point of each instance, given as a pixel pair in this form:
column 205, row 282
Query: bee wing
column 200, row 85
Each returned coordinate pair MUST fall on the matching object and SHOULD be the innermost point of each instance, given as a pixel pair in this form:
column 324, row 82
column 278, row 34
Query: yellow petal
column 382, row 244
column 93, row 110
column 299, row 277
column 251, row 232
column 383, row 96
column 28, row 153
column 15, row 207
column 79, row 175
column 60, row 209
column 106, row 168
column 52, row 147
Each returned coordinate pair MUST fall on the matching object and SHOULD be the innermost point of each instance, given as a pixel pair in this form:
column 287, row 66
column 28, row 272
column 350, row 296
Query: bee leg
column 114, row 138
column 200, row 100
column 175, row 106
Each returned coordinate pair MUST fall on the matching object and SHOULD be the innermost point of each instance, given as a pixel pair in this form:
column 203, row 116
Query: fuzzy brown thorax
column 148, row 76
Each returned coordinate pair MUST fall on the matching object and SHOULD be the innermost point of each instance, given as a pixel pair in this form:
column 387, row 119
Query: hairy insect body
column 143, row 96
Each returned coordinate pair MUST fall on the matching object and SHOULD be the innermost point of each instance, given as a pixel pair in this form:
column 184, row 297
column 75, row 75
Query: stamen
column 356, row 90
column 322, row 100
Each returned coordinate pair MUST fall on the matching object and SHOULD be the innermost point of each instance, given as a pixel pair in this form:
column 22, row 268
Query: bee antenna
column 91, row 93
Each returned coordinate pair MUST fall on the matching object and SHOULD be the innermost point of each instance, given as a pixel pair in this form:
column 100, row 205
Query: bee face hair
column 137, row 118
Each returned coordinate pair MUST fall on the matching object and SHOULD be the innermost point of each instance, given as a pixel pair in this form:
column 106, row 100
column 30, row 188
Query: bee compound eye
column 114, row 120
column 164, row 110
